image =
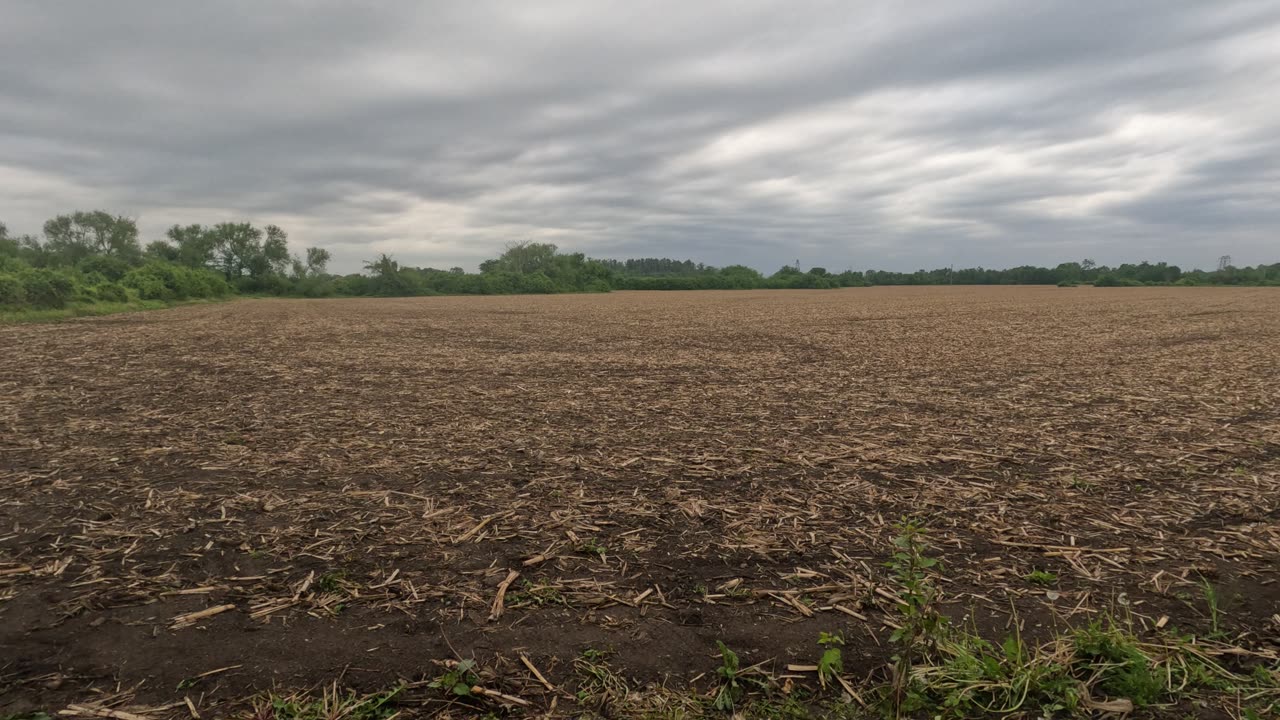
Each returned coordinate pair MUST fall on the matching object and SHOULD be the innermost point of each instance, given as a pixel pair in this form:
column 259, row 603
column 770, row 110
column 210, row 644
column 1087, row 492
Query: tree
column 195, row 244
column 8, row 245
column 387, row 277
column 317, row 260
column 526, row 257
column 163, row 250
column 383, row 266
column 72, row 238
column 275, row 251
column 235, row 247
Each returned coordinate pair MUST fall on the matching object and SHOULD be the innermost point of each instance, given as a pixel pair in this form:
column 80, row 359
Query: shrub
column 213, row 284
column 537, row 282
column 1066, row 283
column 111, row 292
column 165, row 281
column 46, row 288
column 11, row 290
column 12, row 265
column 1113, row 281
column 149, row 286
column 109, row 266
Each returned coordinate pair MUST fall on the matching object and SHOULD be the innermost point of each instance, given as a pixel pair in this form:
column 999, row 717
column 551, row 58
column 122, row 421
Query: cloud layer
column 870, row 134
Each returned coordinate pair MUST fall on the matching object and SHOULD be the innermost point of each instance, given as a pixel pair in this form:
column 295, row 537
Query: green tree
column 162, row 250
column 526, row 257
column 8, row 245
column 72, row 238
column 236, row 248
column 196, row 245
column 317, row 260
column 275, row 252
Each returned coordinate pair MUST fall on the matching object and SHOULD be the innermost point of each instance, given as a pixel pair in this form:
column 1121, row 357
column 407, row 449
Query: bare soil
column 346, row 484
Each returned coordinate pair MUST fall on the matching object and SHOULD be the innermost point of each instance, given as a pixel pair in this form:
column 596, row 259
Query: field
column 205, row 508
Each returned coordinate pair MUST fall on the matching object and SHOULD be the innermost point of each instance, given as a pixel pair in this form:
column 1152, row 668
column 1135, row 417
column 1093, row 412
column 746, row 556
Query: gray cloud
column 836, row 133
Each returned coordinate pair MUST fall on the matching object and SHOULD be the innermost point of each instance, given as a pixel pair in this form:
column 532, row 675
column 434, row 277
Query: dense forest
column 96, row 258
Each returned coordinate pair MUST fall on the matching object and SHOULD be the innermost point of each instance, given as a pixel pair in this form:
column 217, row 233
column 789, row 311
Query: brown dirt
column 664, row 470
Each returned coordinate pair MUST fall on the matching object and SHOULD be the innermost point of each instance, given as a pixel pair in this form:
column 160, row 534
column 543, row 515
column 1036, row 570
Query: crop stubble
column 283, row 493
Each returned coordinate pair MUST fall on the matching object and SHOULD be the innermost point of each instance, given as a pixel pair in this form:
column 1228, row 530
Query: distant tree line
column 662, row 274
column 96, row 257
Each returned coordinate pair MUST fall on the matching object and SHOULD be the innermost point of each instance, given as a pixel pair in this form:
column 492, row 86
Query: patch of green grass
column 598, row 685
column 76, row 310
column 331, row 704
column 1104, row 666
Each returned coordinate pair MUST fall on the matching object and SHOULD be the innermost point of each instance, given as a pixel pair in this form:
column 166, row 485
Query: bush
column 109, row 266
column 11, row 290
column 111, row 292
column 46, row 288
column 1113, row 281
column 213, row 284
column 537, row 283
column 1066, row 283
column 164, row 281
column 149, row 286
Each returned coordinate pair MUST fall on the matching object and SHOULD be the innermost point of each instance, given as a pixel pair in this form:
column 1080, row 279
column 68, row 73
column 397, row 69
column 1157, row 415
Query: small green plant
column 457, row 679
column 1215, row 608
column 831, row 664
column 591, row 547
column 730, row 690
column 1041, row 577
column 330, row 582
column 1118, row 662
column 920, row 626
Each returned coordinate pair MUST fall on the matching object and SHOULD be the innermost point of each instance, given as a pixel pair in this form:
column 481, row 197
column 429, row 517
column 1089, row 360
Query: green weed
column 457, row 679
column 831, row 664
column 1041, row 577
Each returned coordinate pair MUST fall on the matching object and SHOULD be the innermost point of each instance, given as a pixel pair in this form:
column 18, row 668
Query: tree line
column 97, row 257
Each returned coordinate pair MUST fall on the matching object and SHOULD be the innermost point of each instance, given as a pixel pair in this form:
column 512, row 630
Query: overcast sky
column 845, row 134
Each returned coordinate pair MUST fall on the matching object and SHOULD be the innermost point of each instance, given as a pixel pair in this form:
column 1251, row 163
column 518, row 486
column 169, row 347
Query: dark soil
column 664, row 470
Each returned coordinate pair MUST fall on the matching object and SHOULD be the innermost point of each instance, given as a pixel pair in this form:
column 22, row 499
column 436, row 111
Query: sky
column 841, row 134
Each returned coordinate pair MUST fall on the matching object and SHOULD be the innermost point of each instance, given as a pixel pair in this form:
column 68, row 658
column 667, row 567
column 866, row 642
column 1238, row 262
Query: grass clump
column 331, row 705
column 1102, row 667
